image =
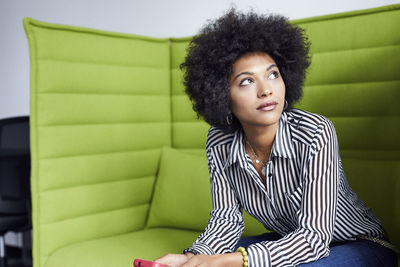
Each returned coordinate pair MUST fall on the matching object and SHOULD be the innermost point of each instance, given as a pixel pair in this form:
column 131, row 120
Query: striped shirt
column 306, row 197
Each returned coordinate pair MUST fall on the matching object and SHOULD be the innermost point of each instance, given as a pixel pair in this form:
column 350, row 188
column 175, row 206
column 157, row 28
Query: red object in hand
column 143, row 263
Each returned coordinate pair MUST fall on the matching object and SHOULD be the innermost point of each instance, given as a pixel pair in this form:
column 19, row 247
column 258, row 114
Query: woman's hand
column 190, row 260
column 219, row 260
column 174, row 260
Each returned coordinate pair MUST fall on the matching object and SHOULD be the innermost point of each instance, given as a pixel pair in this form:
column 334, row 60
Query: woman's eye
column 273, row 75
column 245, row 82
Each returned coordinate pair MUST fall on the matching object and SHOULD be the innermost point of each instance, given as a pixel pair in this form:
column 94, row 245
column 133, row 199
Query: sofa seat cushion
column 121, row 250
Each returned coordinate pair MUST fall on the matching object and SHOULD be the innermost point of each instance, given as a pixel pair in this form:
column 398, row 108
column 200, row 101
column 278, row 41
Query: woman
column 243, row 73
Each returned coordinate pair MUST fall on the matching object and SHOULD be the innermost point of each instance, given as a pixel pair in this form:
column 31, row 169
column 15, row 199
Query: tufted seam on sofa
column 91, row 214
column 111, row 64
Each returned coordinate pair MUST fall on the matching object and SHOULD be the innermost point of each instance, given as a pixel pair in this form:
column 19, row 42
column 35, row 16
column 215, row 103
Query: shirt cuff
column 190, row 250
column 199, row 248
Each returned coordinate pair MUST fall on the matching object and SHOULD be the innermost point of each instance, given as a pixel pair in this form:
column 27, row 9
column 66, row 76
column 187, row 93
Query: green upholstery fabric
column 187, row 130
column 100, row 114
column 103, row 106
column 121, row 250
column 182, row 196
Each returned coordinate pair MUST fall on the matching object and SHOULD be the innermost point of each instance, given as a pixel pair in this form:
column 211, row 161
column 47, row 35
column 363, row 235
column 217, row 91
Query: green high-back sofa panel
column 100, row 113
column 103, row 106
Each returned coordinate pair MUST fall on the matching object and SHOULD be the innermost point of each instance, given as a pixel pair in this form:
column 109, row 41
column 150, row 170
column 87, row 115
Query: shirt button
column 269, row 175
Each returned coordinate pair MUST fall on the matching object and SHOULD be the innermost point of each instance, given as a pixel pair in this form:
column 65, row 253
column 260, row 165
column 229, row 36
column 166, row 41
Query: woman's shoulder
column 311, row 128
column 218, row 137
column 309, row 121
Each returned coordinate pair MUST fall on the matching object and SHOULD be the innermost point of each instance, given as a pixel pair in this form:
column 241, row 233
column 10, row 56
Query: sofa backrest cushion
column 188, row 131
column 100, row 114
column 182, row 196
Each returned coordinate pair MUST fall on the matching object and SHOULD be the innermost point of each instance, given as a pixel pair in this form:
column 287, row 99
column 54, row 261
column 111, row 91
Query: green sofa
column 118, row 162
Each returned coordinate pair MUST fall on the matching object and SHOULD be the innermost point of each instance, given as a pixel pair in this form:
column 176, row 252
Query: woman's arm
column 225, row 225
column 234, row 259
column 226, row 220
column 190, row 260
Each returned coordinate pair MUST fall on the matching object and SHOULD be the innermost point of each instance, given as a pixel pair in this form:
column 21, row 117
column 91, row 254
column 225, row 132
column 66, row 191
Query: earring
column 286, row 105
column 229, row 118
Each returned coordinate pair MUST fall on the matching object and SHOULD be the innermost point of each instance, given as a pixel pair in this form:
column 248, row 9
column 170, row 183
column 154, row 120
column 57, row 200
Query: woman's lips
column 268, row 106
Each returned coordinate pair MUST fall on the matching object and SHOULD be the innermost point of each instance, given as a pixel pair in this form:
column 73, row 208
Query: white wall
column 157, row 18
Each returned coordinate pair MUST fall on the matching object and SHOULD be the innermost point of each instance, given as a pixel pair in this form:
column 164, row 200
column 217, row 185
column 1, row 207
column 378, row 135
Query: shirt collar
column 282, row 146
column 237, row 152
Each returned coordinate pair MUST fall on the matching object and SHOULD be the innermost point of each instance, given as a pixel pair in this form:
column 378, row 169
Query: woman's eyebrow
column 252, row 73
column 242, row 73
column 270, row 67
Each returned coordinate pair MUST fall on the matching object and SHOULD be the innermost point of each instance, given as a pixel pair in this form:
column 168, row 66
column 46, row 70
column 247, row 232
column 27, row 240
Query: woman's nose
column 264, row 92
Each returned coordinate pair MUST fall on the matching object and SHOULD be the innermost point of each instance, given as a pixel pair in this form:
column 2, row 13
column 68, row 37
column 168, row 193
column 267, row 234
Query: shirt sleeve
column 225, row 225
column 310, row 241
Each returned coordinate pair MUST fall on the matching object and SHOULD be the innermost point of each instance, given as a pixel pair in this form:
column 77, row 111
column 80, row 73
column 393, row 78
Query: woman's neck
column 261, row 139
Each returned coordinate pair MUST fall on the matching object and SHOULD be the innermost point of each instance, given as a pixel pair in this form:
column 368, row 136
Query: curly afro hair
column 211, row 54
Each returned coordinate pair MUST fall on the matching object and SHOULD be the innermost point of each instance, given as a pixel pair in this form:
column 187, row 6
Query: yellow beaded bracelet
column 244, row 254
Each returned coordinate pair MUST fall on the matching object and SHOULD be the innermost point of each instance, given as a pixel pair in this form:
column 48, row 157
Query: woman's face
column 257, row 90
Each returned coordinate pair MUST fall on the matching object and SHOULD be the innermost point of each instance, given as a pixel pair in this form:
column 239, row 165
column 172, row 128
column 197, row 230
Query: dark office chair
column 15, row 204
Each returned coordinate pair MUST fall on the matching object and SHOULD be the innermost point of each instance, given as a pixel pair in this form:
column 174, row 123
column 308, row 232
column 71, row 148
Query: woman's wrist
column 234, row 259
column 189, row 255
column 245, row 258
